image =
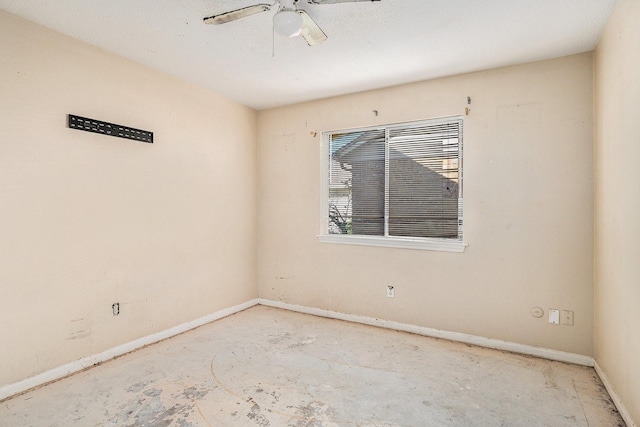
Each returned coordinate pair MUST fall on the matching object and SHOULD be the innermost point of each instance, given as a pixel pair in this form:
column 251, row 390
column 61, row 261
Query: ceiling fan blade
column 310, row 30
column 335, row 1
column 237, row 14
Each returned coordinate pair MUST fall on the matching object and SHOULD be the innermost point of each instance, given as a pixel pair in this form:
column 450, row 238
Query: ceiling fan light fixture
column 287, row 23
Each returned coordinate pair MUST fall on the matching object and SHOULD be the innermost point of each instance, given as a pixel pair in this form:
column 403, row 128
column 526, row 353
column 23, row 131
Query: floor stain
column 256, row 416
column 316, row 414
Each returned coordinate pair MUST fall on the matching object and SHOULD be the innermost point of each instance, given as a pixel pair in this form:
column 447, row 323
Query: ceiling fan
column 289, row 21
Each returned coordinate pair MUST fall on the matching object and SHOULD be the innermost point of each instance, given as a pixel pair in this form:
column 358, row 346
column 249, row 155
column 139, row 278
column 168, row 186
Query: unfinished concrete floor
column 271, row 367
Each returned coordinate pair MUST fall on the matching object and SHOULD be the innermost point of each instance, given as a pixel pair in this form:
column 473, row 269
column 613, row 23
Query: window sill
column 444, row 245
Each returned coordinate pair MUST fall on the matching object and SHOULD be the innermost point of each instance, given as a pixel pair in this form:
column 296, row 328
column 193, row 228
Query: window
column 397, row 185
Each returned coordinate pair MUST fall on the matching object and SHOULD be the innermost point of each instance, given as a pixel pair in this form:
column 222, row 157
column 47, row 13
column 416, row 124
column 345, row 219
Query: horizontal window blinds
column 402, row 180
column 357, row 183
column 424, row 176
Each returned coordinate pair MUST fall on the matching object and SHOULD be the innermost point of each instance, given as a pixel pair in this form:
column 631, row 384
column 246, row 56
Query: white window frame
column 424, row 243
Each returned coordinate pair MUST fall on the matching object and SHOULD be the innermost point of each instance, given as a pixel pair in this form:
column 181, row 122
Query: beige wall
column 167, row 230
column 528, row 208
column 617, row 174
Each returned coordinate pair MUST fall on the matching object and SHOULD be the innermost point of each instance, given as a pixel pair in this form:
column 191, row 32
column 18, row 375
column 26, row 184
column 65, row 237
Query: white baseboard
column 86, row 362
column 9, row 390
column 544, row 353
column 626, row 416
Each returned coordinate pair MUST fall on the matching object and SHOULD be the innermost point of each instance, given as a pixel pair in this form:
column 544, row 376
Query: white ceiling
column 370, row 45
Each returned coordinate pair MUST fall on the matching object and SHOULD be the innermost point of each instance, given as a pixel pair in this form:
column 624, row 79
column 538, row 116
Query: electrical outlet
column 391, row 292
column 567, row 317
column 554, row 316
column 116, row 308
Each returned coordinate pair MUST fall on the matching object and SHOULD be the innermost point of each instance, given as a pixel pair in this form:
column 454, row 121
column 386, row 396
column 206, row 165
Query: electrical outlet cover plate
column 567, row 317
column 554, row 316
column 391, row 292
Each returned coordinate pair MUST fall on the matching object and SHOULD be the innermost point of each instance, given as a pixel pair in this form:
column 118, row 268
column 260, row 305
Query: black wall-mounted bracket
column 111, row 129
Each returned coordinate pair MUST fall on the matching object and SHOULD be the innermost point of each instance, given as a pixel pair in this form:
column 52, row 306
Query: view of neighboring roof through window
column 397, row 185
